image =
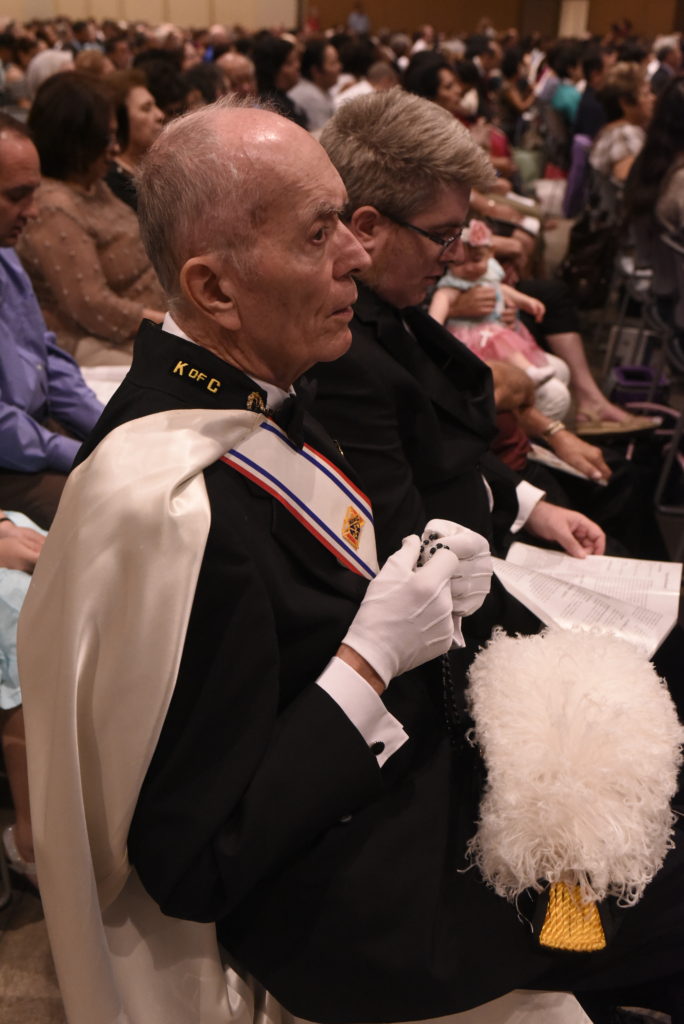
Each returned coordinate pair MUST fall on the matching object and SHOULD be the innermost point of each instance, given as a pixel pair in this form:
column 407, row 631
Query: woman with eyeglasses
column 83, row 251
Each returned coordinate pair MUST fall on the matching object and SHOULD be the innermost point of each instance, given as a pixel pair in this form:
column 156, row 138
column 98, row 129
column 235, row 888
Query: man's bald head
column 240, row 212
column 19, row 179
column 238, row 72
column 209, row 183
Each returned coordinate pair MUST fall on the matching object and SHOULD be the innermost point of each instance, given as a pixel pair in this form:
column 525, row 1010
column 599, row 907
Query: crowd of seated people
column 654, row 211
column 95, row 97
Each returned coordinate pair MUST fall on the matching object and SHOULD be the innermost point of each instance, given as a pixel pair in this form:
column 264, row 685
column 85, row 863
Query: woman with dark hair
column 432, row 77
column 654, row 207
column 515, row 95
column 566, row 61
column 205, row 84
column 472, row 99
column 277, row 64
column 139, row 122
column 83, row 251
column 656, row 182
column 164, row 80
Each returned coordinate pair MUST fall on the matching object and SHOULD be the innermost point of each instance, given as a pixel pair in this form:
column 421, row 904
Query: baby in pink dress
column 491, row 339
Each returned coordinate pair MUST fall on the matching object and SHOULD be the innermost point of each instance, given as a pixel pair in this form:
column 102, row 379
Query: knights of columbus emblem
column 351, row 527
column 255, row 402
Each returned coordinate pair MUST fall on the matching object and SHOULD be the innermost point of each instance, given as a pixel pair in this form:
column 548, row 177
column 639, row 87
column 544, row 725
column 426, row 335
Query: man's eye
column 320, row 235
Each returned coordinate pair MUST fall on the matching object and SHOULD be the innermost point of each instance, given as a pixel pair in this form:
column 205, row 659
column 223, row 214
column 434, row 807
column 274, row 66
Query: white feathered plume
column 582, row 746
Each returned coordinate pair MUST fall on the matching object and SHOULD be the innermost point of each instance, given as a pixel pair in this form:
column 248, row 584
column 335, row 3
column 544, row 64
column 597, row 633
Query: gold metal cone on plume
column 571, row 924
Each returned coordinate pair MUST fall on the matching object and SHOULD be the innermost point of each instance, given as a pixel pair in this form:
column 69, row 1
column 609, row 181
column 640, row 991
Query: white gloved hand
column 405, row 618
column 471, row 583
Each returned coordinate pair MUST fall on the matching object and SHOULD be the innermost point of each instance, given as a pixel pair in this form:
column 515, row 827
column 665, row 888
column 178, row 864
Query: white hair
column 196, row 194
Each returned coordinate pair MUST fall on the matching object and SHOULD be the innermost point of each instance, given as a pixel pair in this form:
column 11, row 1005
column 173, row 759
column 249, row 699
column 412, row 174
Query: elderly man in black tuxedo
column 208, row 647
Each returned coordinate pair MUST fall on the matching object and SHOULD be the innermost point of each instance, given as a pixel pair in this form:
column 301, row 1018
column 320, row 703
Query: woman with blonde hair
column 628, row 103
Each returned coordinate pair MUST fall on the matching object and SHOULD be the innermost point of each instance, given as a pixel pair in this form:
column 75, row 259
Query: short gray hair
column 196, row 195
column 393, row 150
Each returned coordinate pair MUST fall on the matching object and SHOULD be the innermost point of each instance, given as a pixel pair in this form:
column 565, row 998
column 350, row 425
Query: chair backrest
column 5, row 883
column 668, row 276
column 669, row 492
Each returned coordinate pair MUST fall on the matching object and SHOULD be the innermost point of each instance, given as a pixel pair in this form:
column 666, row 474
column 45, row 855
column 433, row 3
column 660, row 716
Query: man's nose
column 454, row 253
column 31, row 209
column 353, row 258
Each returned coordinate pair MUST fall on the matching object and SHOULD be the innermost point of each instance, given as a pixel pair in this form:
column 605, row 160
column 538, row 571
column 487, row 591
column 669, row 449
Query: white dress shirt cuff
column 383, row 733
column 528, row 496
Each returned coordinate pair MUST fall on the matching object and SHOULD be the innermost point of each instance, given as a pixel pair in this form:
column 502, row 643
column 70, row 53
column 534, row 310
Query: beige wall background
column 463, row 15
column 253, row 14
column 649, row 18
column 406, row 15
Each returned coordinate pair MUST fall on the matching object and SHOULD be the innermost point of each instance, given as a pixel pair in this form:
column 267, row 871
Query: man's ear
column 209, row 288
column 369, row 227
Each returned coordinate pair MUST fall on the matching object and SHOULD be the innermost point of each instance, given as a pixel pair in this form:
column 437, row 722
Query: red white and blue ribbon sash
column 314, row 490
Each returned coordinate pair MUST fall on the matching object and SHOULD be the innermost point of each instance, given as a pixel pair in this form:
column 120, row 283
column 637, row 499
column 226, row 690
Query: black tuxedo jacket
column 413, row 411
column 334, row 882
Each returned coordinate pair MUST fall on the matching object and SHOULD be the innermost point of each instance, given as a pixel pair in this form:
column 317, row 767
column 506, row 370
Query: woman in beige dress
column 83, row 251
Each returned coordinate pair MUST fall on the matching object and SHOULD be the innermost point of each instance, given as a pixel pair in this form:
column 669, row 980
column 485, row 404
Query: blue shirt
column 37, row 380
column 566, row 100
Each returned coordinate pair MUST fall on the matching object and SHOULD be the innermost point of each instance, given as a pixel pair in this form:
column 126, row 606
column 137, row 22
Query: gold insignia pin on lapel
column 351, row 527
column 255, row 402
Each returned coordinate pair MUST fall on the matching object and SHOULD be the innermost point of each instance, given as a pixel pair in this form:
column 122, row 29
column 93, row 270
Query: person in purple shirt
column 45, row 406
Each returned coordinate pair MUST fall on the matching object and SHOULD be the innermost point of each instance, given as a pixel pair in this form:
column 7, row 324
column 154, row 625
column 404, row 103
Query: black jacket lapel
column 439, row 362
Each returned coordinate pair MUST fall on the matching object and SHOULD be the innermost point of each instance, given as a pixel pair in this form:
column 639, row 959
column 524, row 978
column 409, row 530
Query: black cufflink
column 377, row 748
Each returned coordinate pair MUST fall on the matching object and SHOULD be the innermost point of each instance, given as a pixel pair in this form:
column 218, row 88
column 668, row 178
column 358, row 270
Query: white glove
column 471, row 583
column 405, row 618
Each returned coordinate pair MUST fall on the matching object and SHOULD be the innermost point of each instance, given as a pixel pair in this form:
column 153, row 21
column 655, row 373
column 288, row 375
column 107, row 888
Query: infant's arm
column 439, row 304
column 521, row 301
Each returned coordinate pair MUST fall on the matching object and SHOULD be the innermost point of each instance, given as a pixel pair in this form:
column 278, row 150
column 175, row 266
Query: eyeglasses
column 440, row 240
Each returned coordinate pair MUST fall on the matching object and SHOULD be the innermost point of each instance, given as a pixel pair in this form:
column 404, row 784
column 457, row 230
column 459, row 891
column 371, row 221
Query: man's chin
column 337, row 348
column 414, row 298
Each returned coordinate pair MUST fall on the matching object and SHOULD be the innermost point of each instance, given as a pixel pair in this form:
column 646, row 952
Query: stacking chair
column 578, row 176
column 669, row 493
column 5, row 884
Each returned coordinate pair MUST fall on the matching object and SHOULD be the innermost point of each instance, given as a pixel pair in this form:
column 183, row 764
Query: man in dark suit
column 669, row 58
column 411, row 408
column 422, row 403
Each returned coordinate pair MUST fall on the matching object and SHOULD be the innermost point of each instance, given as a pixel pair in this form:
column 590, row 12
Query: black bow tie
column 290, row 415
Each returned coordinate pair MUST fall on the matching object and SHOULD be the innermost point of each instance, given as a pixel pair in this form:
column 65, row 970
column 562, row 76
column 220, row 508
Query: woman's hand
column 19, row 547
column 586, row 458
column 513, row 389
column 474, row 303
